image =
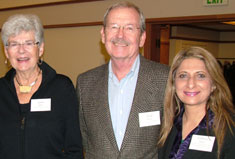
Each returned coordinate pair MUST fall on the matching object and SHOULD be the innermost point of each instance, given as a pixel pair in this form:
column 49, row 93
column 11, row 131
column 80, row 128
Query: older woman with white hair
column 38, row 107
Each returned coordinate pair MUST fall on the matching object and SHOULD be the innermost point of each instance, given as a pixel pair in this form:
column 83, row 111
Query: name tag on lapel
column 39, row 105
column 149, row 118
column 202, row 143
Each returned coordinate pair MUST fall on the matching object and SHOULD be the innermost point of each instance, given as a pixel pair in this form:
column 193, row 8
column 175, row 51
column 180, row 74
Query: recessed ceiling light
column 230, row 22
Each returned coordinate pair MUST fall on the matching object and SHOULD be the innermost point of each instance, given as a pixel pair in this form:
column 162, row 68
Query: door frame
column 148, row 51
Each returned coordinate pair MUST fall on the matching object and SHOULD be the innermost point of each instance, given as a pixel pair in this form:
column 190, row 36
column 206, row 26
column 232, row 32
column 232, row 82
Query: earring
column 5, row 62
column 40, row 60
column 213, row 88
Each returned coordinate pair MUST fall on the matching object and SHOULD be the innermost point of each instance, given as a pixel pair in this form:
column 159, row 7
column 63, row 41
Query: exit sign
column 214, row 2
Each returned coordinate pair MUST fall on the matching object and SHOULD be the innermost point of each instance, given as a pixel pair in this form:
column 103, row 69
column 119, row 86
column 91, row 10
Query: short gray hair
column 22, row 22
column 126, row 5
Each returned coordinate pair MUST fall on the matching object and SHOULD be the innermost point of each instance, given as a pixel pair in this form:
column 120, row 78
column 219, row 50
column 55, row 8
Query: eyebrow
column 183, row 71
column 118, row 24
column 19, row 42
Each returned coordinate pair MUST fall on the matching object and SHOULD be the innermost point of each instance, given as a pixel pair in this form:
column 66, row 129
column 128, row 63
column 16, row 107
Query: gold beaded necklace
column 27, row 89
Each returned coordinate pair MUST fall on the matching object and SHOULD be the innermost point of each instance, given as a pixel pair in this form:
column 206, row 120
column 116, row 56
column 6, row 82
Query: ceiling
column 216, row 26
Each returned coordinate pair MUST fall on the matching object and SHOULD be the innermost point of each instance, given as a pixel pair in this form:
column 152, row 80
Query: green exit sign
column 214, row 2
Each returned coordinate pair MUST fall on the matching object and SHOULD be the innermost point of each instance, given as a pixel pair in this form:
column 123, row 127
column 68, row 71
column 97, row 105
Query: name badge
column 38, row 105
column 149, row 118
column 202, row 143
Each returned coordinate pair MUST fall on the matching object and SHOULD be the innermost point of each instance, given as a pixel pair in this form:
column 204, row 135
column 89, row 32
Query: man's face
column 122, row 35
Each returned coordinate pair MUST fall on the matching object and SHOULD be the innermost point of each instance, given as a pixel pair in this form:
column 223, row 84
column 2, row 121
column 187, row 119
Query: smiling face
column 122, row 36
column 23, row 58
column 193, row 83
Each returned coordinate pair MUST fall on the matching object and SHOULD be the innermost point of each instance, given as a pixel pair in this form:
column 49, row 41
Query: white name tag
column 202, row 143
column 38, row 105
column 149, row 118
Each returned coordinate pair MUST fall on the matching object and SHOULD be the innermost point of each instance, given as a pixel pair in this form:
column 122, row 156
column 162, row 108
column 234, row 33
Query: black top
column 227, row 151
column 53, row 134
column 181, row 146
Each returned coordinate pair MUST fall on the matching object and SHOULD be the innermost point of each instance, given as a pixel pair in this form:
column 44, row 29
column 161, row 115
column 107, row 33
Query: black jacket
column 227, row 151
column 51, row 134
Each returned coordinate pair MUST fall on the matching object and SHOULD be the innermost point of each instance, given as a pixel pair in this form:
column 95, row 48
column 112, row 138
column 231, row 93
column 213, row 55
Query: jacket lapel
column 102, row 107
column 142, row 92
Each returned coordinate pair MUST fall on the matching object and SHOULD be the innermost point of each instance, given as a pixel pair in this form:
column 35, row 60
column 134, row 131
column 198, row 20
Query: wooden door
column 157, row 43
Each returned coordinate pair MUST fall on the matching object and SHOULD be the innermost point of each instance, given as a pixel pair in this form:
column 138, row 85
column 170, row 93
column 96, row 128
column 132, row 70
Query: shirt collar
column 133, row 70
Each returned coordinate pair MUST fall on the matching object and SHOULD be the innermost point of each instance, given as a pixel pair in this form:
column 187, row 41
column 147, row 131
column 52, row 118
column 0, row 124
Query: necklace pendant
column 25, row 89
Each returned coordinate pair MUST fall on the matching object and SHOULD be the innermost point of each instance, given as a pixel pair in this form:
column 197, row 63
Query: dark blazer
column 98, row 137
column 227, row 152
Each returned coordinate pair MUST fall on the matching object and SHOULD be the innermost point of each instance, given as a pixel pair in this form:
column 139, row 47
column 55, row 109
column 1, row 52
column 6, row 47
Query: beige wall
column 189, row 32
column 81, row 53
column 193, row 33
column 177, row 45
column 17, row 3
column 219, row 50
column 94, row 11
column 227, row 50
column 72, row 51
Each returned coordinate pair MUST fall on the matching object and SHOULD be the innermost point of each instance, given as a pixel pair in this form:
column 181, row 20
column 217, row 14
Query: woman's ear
column 41, row 49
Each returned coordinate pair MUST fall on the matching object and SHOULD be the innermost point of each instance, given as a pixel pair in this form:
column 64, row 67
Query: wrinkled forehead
column 123, row 14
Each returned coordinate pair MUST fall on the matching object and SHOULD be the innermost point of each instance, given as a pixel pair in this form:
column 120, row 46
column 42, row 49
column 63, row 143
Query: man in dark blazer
column 121, row 102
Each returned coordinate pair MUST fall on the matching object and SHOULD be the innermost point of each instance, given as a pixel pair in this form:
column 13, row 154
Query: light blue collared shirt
column 120, row 95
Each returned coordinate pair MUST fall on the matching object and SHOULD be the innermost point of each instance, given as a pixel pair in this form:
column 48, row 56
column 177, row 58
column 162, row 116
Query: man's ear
column 142, row 39
column 102, row 33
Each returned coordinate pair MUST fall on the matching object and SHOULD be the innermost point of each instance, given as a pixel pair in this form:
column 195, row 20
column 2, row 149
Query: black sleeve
column 73, row 142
